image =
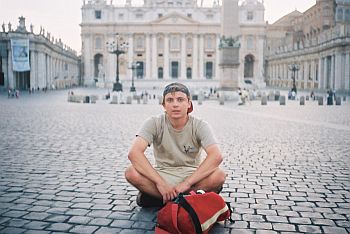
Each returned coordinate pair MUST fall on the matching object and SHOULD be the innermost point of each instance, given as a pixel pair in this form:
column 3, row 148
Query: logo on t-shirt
column 188, row 149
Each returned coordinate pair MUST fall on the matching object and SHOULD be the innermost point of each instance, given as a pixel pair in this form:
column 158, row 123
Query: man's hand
column 184, row 186
column 168, row 192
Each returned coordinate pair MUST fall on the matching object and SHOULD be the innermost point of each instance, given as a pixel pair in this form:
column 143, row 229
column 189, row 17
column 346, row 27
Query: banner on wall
column 20, row 55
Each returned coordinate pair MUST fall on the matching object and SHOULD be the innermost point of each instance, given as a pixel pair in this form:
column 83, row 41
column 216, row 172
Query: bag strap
column 231, row 211
column 197, row 225
column 174, row 210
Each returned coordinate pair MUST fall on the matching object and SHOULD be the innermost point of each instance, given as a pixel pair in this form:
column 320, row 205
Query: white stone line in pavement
column 300, row 121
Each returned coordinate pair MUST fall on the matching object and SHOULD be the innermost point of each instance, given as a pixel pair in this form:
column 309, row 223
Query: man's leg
column 213, row 182
column 141, row 182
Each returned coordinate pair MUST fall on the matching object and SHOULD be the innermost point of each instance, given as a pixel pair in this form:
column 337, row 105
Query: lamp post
column 117, row 47
column 294, row 68
column 133, row 68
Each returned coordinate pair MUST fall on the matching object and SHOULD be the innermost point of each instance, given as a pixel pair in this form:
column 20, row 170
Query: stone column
column 130, row 53
column 154, row 57
column 148, row 56
column 347, row 71
column 320, row 73
column 195, row 57
column 166, row 71
column 337, row 70
column 183, row 57
column 325, row 68
column 88, row 60
column 11, row 82
column 217, row 58
column 32, row 69
column 201, row 56
column 332, row 85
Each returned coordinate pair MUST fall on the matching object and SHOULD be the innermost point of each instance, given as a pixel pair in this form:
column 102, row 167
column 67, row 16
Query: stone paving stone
column 309, row 229
column 14, row 214
column 59, row 227
column 143, row 225
column 283, row 227
column 79, row 220
column 122, row 223
column 260, row 225
column 84, row 229
column 57, row 218
column 36, row 216
column 79, row 212
column 300, row 220
column 277, row 219
column 15, row 222
column 36, row 225
column 100, row 222
column 12, row 230
column 265, row 232
column 108, row 230
column 333, row 230
column 242, row 231
column 37, row 232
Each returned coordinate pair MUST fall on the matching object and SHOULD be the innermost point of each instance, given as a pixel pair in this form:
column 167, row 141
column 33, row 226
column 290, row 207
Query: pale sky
column 62, row 17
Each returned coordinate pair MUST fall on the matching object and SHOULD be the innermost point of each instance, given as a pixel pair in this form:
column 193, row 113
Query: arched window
column 249, row 66
column 98, row 62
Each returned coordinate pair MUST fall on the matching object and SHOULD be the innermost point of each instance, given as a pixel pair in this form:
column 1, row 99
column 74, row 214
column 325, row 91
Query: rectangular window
column 121, row 16
column 209, row 70
column 250, row 15
column 98, row 14
column 139, row 15
column 174, row 69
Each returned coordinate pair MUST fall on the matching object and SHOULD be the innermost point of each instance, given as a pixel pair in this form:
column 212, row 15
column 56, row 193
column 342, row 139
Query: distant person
column 178, row 139
column 312, row 95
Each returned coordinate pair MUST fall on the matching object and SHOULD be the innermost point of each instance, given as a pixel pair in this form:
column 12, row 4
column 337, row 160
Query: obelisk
column 229, row 45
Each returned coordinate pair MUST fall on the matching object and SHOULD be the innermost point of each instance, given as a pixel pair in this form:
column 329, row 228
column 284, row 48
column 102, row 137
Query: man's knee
column 131, row 175
column 218, row 177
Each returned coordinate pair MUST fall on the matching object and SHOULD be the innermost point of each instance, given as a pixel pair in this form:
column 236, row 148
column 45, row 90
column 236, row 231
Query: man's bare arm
column 139, row 161
column 208, row 166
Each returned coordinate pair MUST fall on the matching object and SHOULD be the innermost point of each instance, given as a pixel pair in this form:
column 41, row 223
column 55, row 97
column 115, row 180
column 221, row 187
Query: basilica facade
column 162, row 41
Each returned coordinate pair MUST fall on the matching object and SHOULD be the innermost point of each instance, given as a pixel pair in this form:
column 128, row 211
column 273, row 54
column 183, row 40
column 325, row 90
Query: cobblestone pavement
column 61, row 167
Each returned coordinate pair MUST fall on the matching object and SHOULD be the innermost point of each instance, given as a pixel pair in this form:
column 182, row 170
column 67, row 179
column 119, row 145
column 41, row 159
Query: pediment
column 175, row 19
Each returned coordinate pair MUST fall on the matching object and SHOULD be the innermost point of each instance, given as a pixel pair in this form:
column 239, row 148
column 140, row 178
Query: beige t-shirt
column 177, row 152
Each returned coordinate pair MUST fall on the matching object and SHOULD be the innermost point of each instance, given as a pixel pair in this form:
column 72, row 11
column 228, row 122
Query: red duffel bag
column 192, row 213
